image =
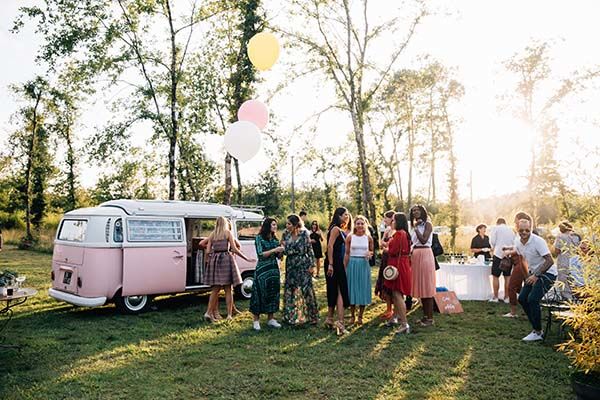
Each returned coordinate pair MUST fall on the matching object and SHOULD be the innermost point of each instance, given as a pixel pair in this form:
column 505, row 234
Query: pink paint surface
column 249, row 250
column 153, row 270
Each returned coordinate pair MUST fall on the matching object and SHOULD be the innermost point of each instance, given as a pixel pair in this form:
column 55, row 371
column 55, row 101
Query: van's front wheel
column 244, row 290
column 133, row 304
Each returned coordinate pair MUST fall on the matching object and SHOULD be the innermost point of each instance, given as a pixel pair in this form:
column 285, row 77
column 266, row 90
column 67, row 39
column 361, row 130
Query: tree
column 31, row 145
column 453, row 90
column 63, row 110
column 540, row 112
column 404, row 98
column 344, row 60
column 117, row 39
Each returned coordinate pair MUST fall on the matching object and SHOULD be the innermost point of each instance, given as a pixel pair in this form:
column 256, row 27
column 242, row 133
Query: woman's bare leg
column 229, row 301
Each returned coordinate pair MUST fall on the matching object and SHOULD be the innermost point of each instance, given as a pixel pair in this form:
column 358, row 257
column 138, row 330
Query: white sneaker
column 273, row 324
column 533, row 337
column 256, row 325
column 510, row 315
column 493, row 300
column 392, row 322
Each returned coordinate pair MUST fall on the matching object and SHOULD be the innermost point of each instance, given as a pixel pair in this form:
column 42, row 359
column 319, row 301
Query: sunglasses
column 524, row 230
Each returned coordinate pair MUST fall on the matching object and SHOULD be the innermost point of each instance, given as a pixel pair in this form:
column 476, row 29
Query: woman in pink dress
column 422, row 262
column 399, row 257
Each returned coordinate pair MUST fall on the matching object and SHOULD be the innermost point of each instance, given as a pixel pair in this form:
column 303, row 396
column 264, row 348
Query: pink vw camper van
column 129, row 251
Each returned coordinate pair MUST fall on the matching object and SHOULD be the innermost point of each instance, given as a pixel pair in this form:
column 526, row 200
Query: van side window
column 118, row 232
column 72, row 230
column 146, row 230
column 248, row 230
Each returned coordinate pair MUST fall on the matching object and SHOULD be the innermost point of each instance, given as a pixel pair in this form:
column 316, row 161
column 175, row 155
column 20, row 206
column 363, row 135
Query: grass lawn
column 171, row 353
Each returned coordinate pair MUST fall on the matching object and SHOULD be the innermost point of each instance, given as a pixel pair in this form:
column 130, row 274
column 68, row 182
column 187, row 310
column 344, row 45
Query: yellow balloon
column 263, row 50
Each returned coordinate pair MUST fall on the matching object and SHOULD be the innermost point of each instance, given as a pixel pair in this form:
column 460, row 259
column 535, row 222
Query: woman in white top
column 423, row 263
column 359, row 248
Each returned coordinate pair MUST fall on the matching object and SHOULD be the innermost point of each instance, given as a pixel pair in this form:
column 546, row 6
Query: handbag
column 506, row 264
column 390, row 273
column 436, row 246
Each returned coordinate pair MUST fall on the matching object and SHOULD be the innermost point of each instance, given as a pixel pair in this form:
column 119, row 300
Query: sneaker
column 534, row 337
column 493, row 300
column 256, row 325
column 510, row 315
column 273, row 324
column 392, row 322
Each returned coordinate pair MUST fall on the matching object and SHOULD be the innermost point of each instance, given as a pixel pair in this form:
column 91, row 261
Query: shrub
column 583, row 345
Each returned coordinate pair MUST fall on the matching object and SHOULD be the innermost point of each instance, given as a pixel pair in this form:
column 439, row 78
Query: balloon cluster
column 242, row 138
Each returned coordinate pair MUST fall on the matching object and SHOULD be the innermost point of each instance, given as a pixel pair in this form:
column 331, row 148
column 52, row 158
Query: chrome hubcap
column 135, row 303
column 246, row 287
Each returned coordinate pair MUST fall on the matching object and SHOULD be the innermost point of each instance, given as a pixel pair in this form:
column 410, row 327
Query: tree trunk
column 411, row 152
column 368, row 206
column 228, row 188
column 71, row 196
column 239, row 181
column 29, row 166
column 174, row 121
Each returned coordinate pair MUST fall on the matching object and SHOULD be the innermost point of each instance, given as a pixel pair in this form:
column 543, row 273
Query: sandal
column 359, row 321
column 329, row 323
column 403, row 330
column 387, row 315
column 426, row 322
column 351, row 321
column 209, row 318
column 340, row 329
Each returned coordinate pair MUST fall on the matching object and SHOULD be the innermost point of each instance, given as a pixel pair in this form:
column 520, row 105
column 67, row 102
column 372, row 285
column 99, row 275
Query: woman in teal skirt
column 359, row 248
column 265, row 290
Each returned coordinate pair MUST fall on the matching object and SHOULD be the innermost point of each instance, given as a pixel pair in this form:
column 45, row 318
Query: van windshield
column 72, row 230
column 248, row 230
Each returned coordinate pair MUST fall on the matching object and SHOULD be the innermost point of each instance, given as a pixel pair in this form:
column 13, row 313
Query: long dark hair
column 313, row 223
column 265, row 229
column 295, row 221
column 336, row 220
column 401, row 224
column 423, row 210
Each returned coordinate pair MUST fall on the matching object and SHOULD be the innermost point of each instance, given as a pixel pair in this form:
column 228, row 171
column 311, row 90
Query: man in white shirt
column 502, row 236
column 542, row 274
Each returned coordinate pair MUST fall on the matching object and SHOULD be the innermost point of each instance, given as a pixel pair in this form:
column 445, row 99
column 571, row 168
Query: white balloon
column 242, row 140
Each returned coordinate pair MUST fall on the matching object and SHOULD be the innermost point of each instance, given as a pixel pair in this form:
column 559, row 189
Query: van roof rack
column 249, row 208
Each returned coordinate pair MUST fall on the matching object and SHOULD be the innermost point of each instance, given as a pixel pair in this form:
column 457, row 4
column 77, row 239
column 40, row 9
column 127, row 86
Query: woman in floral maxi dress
column 300, row 302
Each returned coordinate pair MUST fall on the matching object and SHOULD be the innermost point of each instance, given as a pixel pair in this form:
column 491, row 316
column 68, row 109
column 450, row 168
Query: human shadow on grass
column 56, row 336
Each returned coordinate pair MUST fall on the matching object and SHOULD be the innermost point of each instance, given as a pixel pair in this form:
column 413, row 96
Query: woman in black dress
column 315, row 239
column 337, row 283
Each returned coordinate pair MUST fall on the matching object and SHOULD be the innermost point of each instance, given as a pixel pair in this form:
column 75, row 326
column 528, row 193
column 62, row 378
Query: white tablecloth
column 469, row 282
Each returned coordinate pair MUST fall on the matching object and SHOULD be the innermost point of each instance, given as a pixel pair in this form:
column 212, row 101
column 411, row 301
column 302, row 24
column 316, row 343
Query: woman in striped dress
column 221, row 270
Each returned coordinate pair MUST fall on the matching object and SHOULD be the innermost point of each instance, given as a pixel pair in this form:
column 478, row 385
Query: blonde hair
column 365, row 220
column 221, row 228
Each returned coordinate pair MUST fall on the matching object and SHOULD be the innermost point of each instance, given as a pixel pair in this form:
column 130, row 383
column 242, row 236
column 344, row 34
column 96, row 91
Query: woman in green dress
column 300, row 302
column 267, row 280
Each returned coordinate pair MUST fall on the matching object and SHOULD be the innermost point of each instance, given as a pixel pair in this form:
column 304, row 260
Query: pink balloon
column 254, row 111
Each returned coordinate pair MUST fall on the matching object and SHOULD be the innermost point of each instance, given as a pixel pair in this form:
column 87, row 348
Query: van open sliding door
column 154, row 256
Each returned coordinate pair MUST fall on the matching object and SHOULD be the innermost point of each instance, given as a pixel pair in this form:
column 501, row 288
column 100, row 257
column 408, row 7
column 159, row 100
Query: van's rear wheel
column 133, row 304
column 244, row 290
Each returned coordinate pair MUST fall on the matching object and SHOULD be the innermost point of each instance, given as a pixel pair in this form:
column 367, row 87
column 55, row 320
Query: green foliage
column 8, row 278
column 583, row 346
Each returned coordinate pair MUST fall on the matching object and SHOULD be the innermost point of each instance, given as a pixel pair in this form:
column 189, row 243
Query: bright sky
column 475, row 37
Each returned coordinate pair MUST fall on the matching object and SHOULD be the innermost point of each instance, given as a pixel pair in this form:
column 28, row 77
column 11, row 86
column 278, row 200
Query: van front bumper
column 77, row 300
